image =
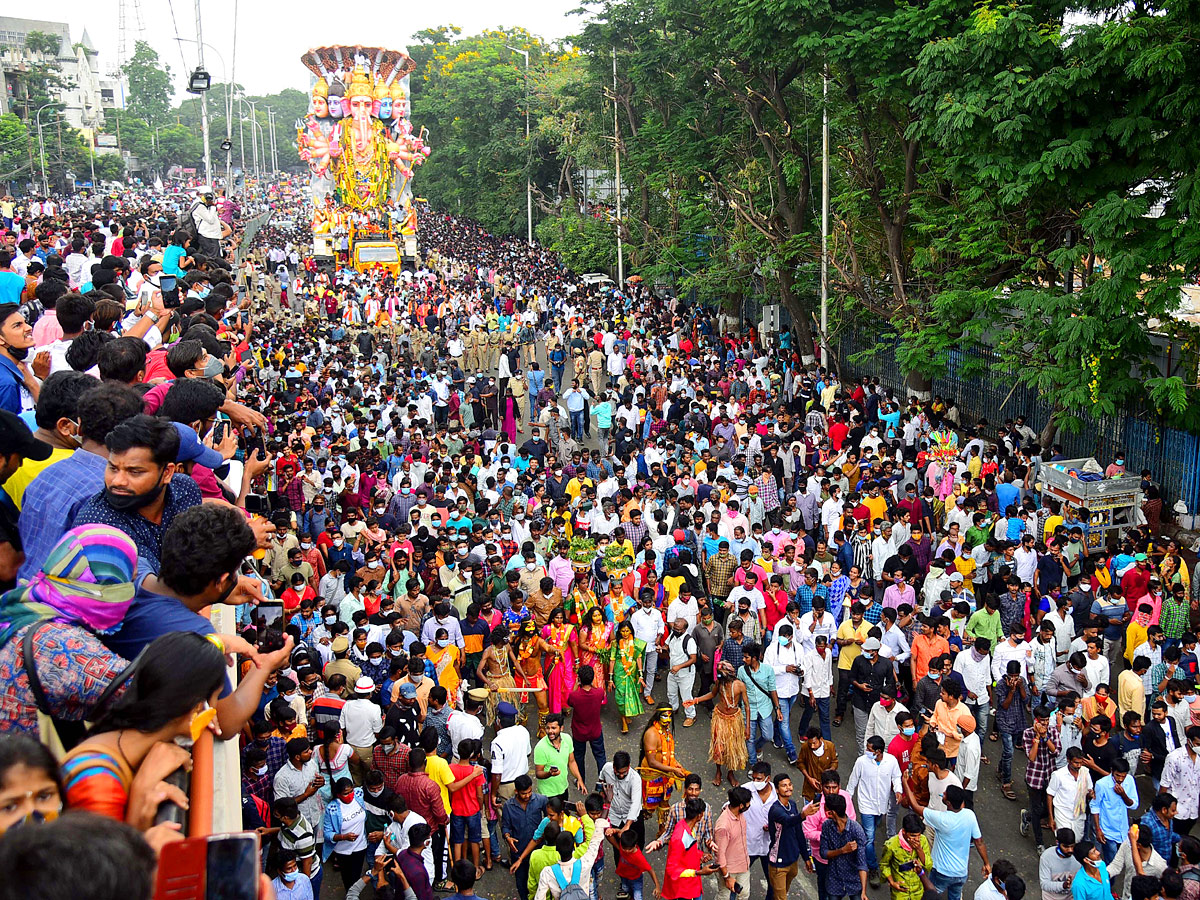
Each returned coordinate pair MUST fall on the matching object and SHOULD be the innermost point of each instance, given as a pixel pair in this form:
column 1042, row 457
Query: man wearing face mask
column 143, row 494
column 58, row 426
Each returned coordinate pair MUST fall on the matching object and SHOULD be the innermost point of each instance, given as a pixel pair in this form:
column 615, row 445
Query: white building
column 86, row 92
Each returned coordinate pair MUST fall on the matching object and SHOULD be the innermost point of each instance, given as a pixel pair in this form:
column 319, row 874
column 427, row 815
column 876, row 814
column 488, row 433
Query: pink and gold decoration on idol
column 357, row 138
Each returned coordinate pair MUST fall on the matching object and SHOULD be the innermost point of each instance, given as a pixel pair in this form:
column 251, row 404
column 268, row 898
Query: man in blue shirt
column 143, row 492
column 535, row 378
column 12, row 285
column 576, row 402
column 54, row 496
column 1116, row 797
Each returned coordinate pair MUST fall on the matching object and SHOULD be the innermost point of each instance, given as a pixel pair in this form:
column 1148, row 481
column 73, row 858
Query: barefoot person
column 496, row 670
column 528, row 671
column 625, row 677
column 658, row 767
column 727, row 746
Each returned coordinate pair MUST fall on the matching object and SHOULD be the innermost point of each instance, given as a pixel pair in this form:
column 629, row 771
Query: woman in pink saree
column 511, row 415
column 559, row 636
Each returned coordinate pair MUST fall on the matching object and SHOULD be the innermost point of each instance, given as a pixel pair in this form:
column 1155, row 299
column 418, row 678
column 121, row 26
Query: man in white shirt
column 1068, row 789
column 685, row 607
column 975, row 667
column 361, row 721
column 882, row 719
column 682, row 652
column 816, row 623
column 648, row 626
column 464, row 724
column 785, row 657
column 511, row 748
column 818, row 684
column 876, row 777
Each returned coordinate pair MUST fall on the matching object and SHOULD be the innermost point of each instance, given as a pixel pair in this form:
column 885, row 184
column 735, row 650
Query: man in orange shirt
column 926, row 646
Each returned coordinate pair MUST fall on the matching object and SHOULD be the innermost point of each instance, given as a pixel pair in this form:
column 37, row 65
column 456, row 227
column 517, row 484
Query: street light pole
column 617, row 148
column 528, row 153
column 42, row 146
column 254, row 136
column 203, row 101
column 824, row 217
column 271, row 136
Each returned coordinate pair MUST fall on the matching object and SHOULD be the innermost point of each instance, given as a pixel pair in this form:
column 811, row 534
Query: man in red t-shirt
column 466, row 801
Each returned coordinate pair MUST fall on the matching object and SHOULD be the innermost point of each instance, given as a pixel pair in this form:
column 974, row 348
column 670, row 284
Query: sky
column 272, row 34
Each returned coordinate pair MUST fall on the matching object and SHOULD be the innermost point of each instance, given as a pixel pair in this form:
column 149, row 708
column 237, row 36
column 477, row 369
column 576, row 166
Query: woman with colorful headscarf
column 53, row 623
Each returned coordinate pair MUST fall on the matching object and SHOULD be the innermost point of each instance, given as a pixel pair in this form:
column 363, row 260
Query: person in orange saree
column 527, row 672
column 447, row 661
column 685, row 870
column 559, row 638
column 595, row 643
column 171, row 693
column 658, row 767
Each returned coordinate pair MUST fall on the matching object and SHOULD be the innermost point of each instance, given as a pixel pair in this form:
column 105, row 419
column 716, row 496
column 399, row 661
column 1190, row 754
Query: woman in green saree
column 626, row 673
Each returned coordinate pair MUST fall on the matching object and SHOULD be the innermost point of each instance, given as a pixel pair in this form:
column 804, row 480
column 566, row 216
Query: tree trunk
column 801, row 316
column 1050, row 430
column 919, row 386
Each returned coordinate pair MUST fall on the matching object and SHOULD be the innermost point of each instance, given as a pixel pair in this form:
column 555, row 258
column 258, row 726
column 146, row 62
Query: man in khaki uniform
column 471, row 350
column 493, row 349
column 596, row 362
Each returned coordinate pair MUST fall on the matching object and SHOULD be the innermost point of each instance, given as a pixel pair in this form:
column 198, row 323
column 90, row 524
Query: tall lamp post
column 228, row 109
column 42, row 145
column 198, row 84
column 617, row 149
column 528, row 152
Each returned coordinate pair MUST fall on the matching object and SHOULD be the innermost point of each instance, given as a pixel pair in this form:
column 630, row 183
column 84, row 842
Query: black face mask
column 18, row 353
column 131, row 502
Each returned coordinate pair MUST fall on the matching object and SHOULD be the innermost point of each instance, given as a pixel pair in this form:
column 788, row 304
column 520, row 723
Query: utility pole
column 242, row 139
column 230, row 87
column 824, row 216
column 617, row 148
column 203, row 101
column 42, row 154
column 271, row 138
column 254, row 136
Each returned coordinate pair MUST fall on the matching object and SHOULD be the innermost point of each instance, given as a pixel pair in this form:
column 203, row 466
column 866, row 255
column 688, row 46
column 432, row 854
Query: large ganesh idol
column 357, row 138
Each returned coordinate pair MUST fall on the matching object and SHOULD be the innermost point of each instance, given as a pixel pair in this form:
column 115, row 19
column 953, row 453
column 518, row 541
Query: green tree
column 149, row 85
column 41, row 81
column 17, row 150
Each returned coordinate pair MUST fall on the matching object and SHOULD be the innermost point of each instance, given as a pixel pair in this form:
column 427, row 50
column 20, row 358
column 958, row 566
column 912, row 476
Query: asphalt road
column 999, row 818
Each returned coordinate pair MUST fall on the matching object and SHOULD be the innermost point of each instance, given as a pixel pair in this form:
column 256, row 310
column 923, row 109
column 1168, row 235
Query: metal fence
column 1172, row 456
column 248, row 232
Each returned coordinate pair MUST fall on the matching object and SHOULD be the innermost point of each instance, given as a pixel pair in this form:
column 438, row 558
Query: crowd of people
column 465, row 515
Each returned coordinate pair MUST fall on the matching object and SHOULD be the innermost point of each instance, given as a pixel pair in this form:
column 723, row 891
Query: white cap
column 364, row 685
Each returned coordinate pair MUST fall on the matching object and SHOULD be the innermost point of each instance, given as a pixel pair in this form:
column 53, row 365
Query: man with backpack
column 571, row 878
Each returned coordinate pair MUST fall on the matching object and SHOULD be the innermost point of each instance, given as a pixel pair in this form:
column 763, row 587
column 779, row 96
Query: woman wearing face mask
column 30, row 792
column 447, row 661
column 169, row 700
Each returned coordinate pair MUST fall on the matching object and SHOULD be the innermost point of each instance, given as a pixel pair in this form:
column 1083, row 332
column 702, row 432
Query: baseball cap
column 15, row 437
column 870, row 644
column 191, row 449
column 408, row 690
